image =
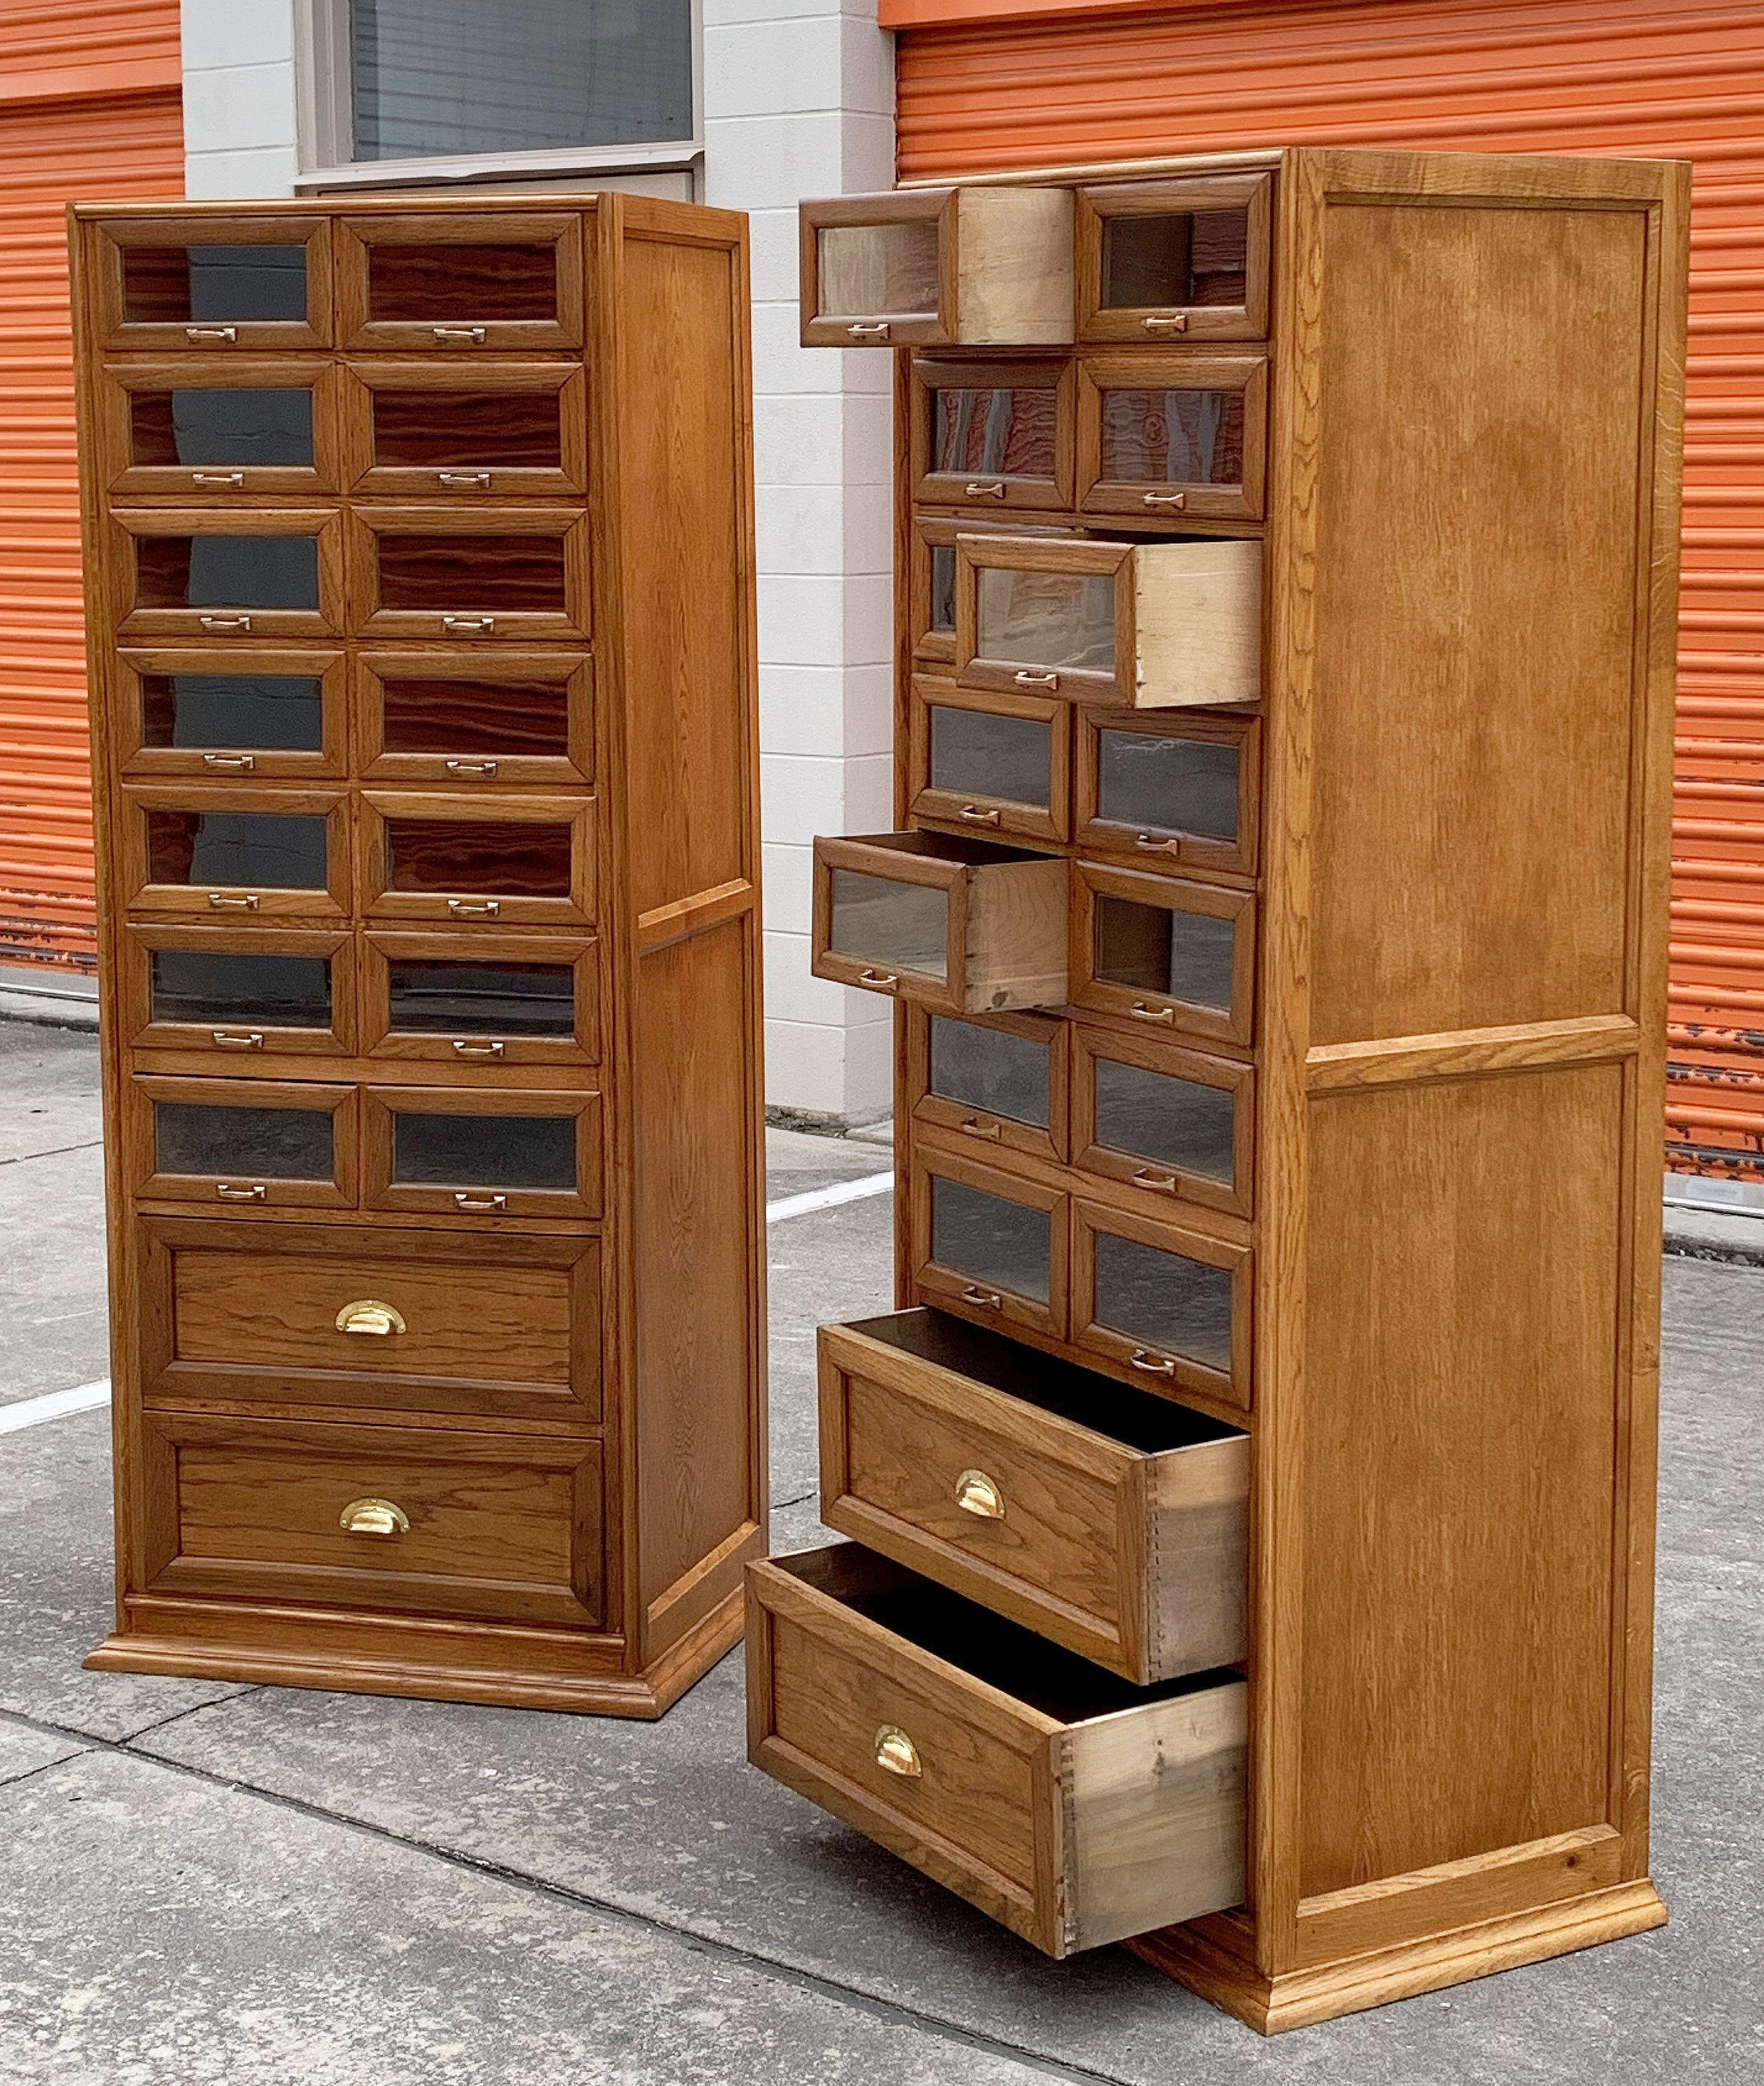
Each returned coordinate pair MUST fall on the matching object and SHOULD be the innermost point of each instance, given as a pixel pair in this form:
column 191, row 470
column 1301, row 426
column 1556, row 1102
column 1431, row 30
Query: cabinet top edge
column 405, row 204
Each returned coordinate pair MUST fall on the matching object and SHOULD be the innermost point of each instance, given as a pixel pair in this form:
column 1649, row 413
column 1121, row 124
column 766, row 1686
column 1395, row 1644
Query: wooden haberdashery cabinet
column 1252, row 1496
column 420, row 601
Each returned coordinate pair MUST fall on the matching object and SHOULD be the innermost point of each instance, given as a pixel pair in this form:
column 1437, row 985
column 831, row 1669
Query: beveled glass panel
column 901, row 926
column 226, row 427
column 503, row 859
column 1155, row 1115
column 465, row 284
column 442, row 998
column 505, row 430
column 1060, row 619
column 261, row 850
column 227, row 572
column 266, row 713
column 878, row 270
column 975, row 754
column 507, row 573
column 171, row 285
column 484, row 1151
column 1154, row 948
column 1005, row 432
column 990, row 1238
column 991, row 1070
column 943, row 587
column 252, row 1143
column 1172, row 437
column 506, row 717
column 1167, row 786
column 229, row 986
column 1164, row 1299
column 1191, row 257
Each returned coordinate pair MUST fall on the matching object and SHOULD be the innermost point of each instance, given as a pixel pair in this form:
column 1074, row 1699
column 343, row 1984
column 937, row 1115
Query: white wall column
column 238, row 98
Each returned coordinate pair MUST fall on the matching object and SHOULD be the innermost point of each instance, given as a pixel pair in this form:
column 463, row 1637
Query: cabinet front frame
column 1188, row 852
column 470, row 623
column 984, row 814
column 1246, row 375
column 987, row 1304
column 141, row 1090
column 138, row 944
column 893, row 329
column 482, row 1199
column 581, row 953
column 936, row 1111
column 230, row 626
column 365, row 478
column 372, row 669
column 1160, row 1369
column 379, row 903
column 1235, row 1196
column 1164, row 1013
column 135, row 760
column 995, row 492
column 138, row 895
column 1095, row 203
column 563, row 231
column 118, row 335
column 1114, row 561
column 113, row 391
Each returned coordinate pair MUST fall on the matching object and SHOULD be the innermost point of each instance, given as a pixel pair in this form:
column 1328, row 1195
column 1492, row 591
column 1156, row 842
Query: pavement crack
column 60, row 1151
column 42, row 1767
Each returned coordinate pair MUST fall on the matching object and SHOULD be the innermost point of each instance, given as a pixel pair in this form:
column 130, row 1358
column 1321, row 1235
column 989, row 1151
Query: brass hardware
column 486, row 768
column 1165, row 1016
column 976, row 1493
column 224, row 622
column 896, row 1753
column 374, row 1516
column 475, row 334
column 1153, row 846
column 236, row 764
column 468, row 909
column 987, row 1299
column 876, row 329
column 256, row 1193
column 370, row 1315
column 981, row 489
column 1152, row 1365
column 1177, row 499
column 1163, row 322
column 231, row 1039
column 216, row 478
column 463, row 480
column 484, row 624
column 462, row 1201
column 976, row 817
column 477, row 1047
column 879, row 981
column 1165, row 1184
column 1025, row 680
column 242, row 901
column 975, row 1128
column 211, row 333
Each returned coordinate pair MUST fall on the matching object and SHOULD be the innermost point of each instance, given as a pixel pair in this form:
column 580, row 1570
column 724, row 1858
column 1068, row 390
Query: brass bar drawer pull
column 225, row 622
column 976, row 817
column 1150, row 844
column 465, row 481
column 981, row 489
column 234, row 1039
column 1166, row 322
column 234, row 764
column 1177, row 499
column 1142, row 1358
column 988, row 1299
column 477, row 1047
column 879, row 981
column 895, row 1752
column 1164, row 1016
column 976, row 1126
column 463, row 1201
column 374, row 1516
column 458, row 624
column 486, row 769
column 874, row 329
column 231, row 478
column 472, row 336
column 977, row 1494
column 233, row 901
column 370, row 1317
column 1162, row 1184
column 228, row 1193
column 1025, row 680
column 211, row 333
column 475, row 909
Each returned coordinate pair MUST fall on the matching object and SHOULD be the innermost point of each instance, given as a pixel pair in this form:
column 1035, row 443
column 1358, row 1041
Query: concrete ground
column 202, row 1883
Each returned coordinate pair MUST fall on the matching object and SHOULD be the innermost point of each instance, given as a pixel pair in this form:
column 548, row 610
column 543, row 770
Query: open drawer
column 1113, row 1522
column 1072, row 1808
column 1146, row 625
column 955, row 925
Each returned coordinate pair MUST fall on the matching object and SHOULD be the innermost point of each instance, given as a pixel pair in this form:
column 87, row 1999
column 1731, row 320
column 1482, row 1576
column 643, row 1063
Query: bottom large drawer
column 1076, row 1809
column 416, row 1520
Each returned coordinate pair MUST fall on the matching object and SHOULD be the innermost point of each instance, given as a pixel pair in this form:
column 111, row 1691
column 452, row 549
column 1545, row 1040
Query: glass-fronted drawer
column 238, row 992
column 462, row 283
column 489, row 715
column 1169, row 1122
column 1186, row 259
column 214, row 282
column 938, row 267
column 210, row 429
column 460, row 858
column 987, row 1245
column 1146, row 626
column 253, row 1143
column 1184, row 790
column 417, row 432
column 1164, row 955
column 1160, row 435
column 994, row 762
column 997, row 1078
column 991, row 435
column 481, row 1152
column 1164, row 1306
column 482, row 998
column 219, row 850
column 270, row 572
column 506, row 572
column 214, row 712
column 930, row 553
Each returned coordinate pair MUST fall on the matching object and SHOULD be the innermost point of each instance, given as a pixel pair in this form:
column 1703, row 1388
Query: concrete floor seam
column 43, row 1767
column 60, row 1151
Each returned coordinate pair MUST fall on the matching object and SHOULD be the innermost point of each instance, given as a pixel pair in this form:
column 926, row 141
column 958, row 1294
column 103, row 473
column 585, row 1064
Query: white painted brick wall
column 239, row 103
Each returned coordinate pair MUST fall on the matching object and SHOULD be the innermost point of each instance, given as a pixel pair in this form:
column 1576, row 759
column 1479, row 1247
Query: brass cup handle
column 975, row 816
column 974, row 1126
column 211, row 333
column 225, row 1192
column 1166, row 322
column 895, row 1752
column 228, row 477
column 462, row 1201
column 368, row 1315
column 1176, row 499
column 988, row 1299
column 236, row 901
column 1026, row 679
column 237, row 1039
column 1164, row 1184
column 486, row 769
column 457, row 624
column 471, row 908
column 474, row 335
column 977, row 1494
column 463, row 481
column 879, row 981
column 476, row 1046
column 985, row 489
column 374, row 1516
column 874, row 329
column 1142, row 1358
column 234, row 764
column 1150, row 844
column 1164, row 1016
column 225, row 622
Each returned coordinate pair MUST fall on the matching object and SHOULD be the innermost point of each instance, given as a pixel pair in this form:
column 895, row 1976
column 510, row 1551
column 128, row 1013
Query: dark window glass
column 174, row 285
column 506, row 430
column 469, row 573
column 445, row 999
column 975, row 754
column 225, row 428
column 461, row 285
column 999, row 433
column 1167, row 786
column 1179, row 1305
column 881, row 921
column 484, row 1150
column 252, row 1143
column 1172, row 437
column 267, row 713
column 1188, row 258
column 989, row 1069
column 506, row 717
column 227, row 572
column 993, row 1240
column 506, row 860
column 274, row 991
column 258, row 850
column 1155, row 1115
column 1152, row 948
column 943, row 587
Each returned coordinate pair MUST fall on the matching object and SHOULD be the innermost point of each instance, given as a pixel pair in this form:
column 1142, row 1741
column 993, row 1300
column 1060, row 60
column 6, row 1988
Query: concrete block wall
column 238, row 98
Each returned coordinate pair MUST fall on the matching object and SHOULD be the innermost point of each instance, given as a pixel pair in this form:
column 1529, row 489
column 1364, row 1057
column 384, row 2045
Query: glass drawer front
column 259, row 849
column 178, row 285
column 1176, row 1123
column 206, row 986
column 975, row 754
column 465, row 282
column 1151, row 948
column 261, row 1144
column 943, row 589
column 1167, row 786
column 498, row 430
column 445, row 999
column 995, row 433
column 223, row 427
column 1172, row 437
column 507, row 859
column 991, row 1239
column 877, row 921
column 266, row 713
column 472, row 717
column 877, row 270
column 444, row 572
column 990, row 1070
column 484, row 1151
column 1164, row 1299
column 1056, row 619
column 1192, row 257
column 227, row 572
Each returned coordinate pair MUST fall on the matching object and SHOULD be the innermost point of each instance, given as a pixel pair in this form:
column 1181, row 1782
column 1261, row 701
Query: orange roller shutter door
column 985, row 85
